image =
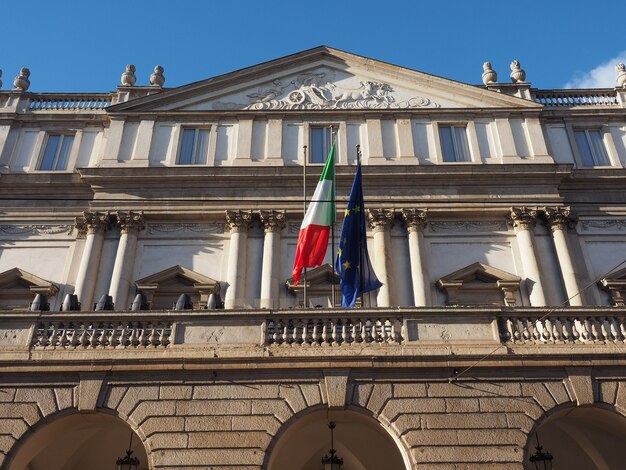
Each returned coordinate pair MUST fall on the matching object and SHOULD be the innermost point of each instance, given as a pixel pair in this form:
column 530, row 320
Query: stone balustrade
column 69, row 101
column 575, row 98
column 583, row 328
column 120, row 334
column 426, row 331
column 336, row 332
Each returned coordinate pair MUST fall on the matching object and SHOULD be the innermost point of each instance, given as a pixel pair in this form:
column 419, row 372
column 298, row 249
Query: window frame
column 44, row 146
column 579, row 153
column 334, row 127
column 196, row 130
column 454, row 124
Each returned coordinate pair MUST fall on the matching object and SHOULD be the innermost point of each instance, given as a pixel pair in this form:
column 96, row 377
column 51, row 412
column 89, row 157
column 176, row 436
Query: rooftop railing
column 576, row 98
column 69, row 101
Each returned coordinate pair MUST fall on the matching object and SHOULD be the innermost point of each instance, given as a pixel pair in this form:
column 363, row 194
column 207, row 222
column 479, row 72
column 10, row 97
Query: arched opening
column 583, row 438
column 79, row 441
column 362, row 442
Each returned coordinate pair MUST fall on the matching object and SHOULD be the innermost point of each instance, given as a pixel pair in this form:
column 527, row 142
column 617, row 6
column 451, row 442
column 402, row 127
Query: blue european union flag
column 356, row 275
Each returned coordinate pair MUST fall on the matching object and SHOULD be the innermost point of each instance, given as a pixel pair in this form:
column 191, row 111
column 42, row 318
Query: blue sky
column 84, row 45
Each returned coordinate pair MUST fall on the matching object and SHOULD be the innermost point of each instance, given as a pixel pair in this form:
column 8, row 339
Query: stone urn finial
column 157, row 78
column 489, row 74
column 518, row 74
column 0, row 77
column 128, row 77
column 620, row 75
column 22, row 82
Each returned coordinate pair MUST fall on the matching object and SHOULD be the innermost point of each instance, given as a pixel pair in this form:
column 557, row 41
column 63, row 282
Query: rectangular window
column 57, row 152
column 194, row 147
column 591, row 147
column 454, row 145
column 321, row 141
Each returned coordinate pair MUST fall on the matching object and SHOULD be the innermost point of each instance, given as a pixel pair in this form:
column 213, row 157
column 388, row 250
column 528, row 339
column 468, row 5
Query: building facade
column 157, row 228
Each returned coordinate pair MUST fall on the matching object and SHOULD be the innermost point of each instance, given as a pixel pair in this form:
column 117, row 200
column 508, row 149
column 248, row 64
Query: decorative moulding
column 615, row 285
column 480, row 284
column 19, row 287
column 36, row 229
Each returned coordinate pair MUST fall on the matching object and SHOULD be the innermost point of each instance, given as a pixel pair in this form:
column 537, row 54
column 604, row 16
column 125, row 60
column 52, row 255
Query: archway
column 76, row 442
column 362, row 442
column 583, row 438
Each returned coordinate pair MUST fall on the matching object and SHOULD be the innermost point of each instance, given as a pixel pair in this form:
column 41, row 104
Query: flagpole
column 332, row 228
column 361, row 229
column 304, row 212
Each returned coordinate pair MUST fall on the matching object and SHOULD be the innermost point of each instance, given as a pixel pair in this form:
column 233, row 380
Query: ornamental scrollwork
column 316, row 90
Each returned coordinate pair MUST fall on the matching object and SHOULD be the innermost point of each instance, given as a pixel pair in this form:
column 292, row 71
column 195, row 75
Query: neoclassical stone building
column 147, row 238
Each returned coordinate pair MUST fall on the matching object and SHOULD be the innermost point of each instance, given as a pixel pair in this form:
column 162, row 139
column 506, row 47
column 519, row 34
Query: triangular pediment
column 478, row 273
column 176, row 276
column 326, row 79
column 17, row 280
column 321, row 276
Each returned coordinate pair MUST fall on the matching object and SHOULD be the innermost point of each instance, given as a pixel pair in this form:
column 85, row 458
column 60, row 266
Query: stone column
column 273, row 222
column 92, row 225
column 381, row 221
column 131, row 223
column 558, row 219
column 415, row 220
column 524, row 220
column 238, row 223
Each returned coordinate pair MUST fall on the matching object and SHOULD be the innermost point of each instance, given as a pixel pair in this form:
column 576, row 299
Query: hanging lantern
column 128, row 462
column 541, row 460
column 332, row 461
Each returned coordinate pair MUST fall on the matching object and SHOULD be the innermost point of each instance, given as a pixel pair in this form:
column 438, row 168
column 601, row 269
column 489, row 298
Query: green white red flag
column 319, row 217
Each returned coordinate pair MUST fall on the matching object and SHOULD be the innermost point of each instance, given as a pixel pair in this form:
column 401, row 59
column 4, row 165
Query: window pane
column 186, row 147
column 47, row 161
column 462, row 146
column 583, row 148
column 64, row 153
column 447, row 146
column 317, row 145
column 598, row 151
column 202, row 146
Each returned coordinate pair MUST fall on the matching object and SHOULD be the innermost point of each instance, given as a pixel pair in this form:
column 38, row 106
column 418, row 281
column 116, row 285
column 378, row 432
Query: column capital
column 238, row 221
column 273, row 221
column 415, row 219
column 92, row 222
column 558, row 218
column 522, row 218
column 130, row 221
column 380, row 219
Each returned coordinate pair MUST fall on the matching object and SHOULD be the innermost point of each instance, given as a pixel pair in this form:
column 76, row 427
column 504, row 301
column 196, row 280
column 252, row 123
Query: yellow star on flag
column 346, row 264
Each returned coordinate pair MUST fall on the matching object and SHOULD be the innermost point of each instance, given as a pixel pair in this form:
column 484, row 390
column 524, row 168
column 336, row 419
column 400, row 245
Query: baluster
column 325, row 333
column 132, row 339
column 102, row 337
column 574, row 329
column 556, row 330
column 613, row 329
column 124, row 334
column 395, row 329
column 604, row 329
column 154, row 337
column 621, row 322
column 163, row 336
column 384, row 335
column 54, row 336
column 73, row 337
column 63, row 339
column 142, row 334
column 595, row 333
column 285, row 338
column 316, row 333
column 516, row 334
column 585, row 329
column 276, row 335
column 302, row 328
column 527, row 331
column 43, row 341
column 84, row 335
column 346, row 337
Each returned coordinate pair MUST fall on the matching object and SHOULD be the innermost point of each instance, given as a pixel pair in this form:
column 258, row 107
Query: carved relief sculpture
column 92, row 222
column 130, row 221
column 522, row 218
column 238, row 221
column 415, row 219
column 273, row 221
column 380, row 219
column 558, row 218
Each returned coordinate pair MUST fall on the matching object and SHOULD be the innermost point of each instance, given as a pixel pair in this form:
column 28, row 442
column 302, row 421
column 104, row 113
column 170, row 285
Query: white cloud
column 602, row 76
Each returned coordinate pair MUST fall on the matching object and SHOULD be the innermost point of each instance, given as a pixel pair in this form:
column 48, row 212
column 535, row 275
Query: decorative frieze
column 616, row 224
column 273, row 221
column 522, row 218
column 36, row 229
column 463, row 226
column 238, row 221
column 196, row 228
column 415, row 219
column 92, row 222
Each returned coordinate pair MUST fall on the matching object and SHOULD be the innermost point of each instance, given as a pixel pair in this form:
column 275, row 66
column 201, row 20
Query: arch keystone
column 336, row 381
column 580, row 385
column 88, row 390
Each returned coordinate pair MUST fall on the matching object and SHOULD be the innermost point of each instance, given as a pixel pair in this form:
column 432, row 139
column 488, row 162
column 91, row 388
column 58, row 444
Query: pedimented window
column 163, row 289
column 480, row 284
column 319, row 287
column 615, row 285
column 18, row 289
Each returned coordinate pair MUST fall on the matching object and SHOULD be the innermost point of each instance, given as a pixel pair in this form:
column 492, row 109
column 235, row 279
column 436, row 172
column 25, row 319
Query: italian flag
column 319, row 217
